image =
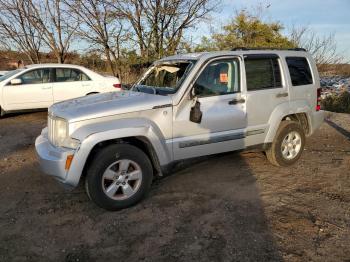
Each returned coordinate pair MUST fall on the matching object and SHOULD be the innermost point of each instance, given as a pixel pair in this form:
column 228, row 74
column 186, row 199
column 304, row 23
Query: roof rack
column 264, row 48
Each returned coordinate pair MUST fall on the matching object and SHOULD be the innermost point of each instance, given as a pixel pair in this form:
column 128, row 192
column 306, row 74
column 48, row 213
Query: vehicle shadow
column 24, row 113
column 208, row 210
column 341, row 130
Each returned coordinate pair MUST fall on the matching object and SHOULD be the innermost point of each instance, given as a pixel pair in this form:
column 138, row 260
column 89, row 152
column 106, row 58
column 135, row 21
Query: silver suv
column 184, row 106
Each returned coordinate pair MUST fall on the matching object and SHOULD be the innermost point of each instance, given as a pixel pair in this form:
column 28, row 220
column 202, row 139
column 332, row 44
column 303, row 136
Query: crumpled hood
column 107, row 104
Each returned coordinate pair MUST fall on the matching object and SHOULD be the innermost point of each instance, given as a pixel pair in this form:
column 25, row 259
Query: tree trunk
column 118, row 71
column 109, row 60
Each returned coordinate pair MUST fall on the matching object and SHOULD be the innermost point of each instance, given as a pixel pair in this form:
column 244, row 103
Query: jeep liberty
column 184, row 106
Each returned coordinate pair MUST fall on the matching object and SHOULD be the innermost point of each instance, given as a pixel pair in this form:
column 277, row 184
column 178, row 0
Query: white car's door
column 223, row 123
column 34, row 91
column 70, row 83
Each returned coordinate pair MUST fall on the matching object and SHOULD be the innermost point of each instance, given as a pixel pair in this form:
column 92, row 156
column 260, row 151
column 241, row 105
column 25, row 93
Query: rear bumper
column 52, row 159
column 317, row 119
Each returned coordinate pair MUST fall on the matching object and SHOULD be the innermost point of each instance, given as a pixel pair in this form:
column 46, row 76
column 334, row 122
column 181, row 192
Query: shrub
column 337, row 103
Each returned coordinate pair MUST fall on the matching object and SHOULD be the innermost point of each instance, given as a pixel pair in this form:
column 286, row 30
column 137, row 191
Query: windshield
column 9, row 74
column 164, row 79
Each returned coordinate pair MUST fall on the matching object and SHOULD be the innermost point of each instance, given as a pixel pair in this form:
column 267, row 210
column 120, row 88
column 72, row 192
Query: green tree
column 246, row 30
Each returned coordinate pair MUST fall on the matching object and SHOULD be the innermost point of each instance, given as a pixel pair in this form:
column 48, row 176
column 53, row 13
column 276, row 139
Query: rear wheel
column 288, row 144
column 119, row 177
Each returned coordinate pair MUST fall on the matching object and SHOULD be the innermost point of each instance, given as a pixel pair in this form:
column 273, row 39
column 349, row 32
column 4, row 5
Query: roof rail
column 267, row 48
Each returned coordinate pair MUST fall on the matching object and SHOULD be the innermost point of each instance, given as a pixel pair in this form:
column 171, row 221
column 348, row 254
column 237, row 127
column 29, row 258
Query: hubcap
column 291, row 145
column 122, row 179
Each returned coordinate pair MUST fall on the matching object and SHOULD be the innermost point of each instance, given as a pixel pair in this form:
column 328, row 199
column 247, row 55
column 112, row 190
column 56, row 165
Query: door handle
column 282, row 95
column 236, row 101
column 44, row 88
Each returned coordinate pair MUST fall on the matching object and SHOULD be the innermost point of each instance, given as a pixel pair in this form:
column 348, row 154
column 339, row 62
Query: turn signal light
column 117, row 85
column 69, row 161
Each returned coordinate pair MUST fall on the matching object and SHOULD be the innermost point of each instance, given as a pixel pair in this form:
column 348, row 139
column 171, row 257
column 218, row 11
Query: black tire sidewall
column 104, row 159
column 282, row 133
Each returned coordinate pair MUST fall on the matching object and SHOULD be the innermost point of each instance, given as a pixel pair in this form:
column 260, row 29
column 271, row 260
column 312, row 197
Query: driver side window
column 38, row 76
column 220, row 77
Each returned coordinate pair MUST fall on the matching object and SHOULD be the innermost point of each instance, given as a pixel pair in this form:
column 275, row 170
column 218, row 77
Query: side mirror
column 16, row 81
column 193, row 93
column 196, row 113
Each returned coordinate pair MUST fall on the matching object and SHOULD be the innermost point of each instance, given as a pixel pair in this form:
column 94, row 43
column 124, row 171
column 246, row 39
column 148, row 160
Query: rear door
column 34, row 92
column 301, row 79
column 70, row 83
column 266, row 88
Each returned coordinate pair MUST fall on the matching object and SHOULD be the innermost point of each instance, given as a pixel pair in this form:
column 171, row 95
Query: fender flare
column 283, row 110
column 91, row 135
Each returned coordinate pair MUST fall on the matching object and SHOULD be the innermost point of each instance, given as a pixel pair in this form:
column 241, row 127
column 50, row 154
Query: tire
column 2, row 112
column 124, row 172
column 285, row 149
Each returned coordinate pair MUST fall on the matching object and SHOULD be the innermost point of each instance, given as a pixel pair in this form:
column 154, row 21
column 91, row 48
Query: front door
column 218, row 90
column 34, row 92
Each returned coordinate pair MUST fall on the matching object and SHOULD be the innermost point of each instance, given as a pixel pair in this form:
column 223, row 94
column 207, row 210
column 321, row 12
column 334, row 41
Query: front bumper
column 52, row 159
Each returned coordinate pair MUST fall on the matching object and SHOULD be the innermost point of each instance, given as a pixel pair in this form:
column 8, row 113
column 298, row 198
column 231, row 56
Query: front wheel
column 119, row 176
column 288, row 144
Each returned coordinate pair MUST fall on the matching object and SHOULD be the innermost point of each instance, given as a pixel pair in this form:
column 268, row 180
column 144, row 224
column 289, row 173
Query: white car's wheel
column 2, row 112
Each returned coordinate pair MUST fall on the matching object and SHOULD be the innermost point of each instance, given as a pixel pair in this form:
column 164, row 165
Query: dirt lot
column 230, row 207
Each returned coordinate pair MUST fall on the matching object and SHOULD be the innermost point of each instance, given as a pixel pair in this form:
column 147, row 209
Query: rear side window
column 299, row 71
column 262, row 73
column 70, row 75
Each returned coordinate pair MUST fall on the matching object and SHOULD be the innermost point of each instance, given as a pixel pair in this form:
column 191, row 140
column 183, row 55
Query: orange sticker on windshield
column 223, row 78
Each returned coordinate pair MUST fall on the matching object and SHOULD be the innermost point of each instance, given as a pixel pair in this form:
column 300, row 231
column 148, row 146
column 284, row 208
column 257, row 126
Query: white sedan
column 41, row 85
column 3, row 73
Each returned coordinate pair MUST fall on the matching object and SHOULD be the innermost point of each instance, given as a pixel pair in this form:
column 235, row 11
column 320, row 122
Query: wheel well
column 301, row 118
column 141, row 142
column 92, row 93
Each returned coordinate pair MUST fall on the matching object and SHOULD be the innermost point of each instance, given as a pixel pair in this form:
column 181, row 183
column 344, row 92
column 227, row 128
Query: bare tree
column 100, row 28
column 55, row 25
column 159, row 25
column 17, row 31
column 323, row 48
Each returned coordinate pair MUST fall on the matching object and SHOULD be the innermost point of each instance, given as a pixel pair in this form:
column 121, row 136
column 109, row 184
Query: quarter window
column 299, row 71
column 70, row 75
column 220, row 77
column 38, row 76
column 262, row 73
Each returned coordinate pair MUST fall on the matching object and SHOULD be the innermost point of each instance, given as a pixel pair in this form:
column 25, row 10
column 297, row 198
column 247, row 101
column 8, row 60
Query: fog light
column 69, row 161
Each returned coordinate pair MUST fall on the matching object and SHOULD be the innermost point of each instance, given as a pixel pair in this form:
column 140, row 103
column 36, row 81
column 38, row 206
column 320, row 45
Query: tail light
column 318, row 104
column 117, row 85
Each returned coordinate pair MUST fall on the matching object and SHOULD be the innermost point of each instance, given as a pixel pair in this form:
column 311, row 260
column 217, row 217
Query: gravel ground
column 229, row 207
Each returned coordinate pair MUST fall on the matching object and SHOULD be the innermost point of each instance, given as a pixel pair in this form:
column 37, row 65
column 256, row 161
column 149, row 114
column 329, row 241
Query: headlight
column 58, row 133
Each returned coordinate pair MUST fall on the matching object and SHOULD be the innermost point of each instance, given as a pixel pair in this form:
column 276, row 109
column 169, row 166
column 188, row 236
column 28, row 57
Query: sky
column 323, row 17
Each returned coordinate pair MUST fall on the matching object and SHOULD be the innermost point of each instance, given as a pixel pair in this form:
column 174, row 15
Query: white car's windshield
column 9, row 74
column 164, row 79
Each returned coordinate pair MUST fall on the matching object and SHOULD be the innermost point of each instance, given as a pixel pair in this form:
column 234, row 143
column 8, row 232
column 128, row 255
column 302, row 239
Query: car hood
column 107, row 104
